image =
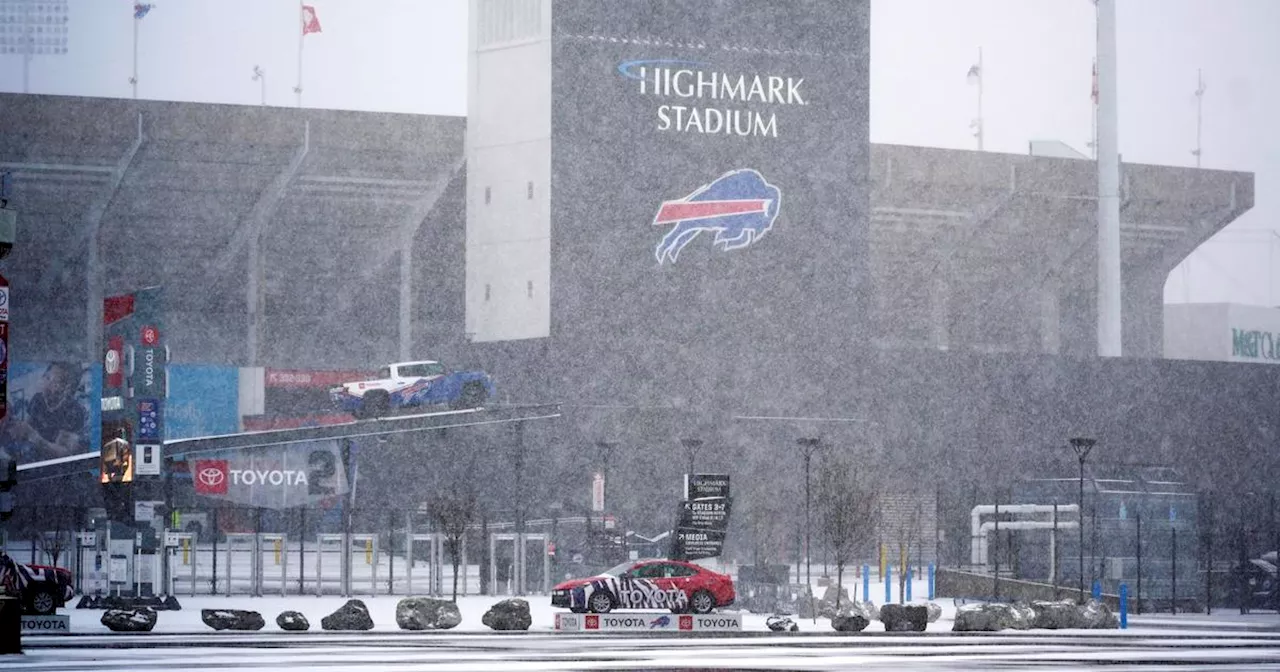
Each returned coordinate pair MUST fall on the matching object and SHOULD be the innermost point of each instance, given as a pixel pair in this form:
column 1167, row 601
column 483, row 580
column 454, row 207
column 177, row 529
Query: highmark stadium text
column 659, row 79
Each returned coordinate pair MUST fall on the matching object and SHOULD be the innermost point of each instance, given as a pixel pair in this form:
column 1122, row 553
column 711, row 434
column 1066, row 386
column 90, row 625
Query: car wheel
column 702, row 602
column 600, row 603
column 376, row 404
column 42, row 602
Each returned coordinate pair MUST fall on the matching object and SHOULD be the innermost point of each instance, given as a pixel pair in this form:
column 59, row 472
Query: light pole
column 808, row 446
column 691, row 447
column 1082, row 448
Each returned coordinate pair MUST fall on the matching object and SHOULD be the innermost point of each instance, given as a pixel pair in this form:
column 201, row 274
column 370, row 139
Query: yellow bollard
column 277, row 550
column 186, row 551
column 368, row 551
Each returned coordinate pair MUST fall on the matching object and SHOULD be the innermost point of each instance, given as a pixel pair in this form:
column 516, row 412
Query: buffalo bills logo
column 739, row 207
column 660, row 622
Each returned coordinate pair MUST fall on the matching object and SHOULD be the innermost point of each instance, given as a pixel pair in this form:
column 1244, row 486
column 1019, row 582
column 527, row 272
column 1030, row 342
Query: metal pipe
column 981, row 553
column 976, row 513
column 1108, row 163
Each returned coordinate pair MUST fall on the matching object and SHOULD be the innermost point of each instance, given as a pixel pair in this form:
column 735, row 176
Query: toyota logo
column 113, row 362
column 212, row 476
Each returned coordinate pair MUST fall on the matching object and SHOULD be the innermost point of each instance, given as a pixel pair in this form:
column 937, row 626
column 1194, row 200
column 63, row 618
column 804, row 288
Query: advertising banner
column 274, row 477
column 53, row 411
column 4, row 347
column 648, row 622
column 203, row 401
column 135, row 388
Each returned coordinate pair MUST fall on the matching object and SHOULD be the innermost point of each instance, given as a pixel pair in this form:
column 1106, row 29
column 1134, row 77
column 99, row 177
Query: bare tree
column 906, row 535
column 847, row 505
column 451, row 511
column 51, row 531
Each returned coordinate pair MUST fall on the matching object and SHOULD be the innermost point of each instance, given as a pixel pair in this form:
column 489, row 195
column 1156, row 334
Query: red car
column 42, row 588
column 647, row 584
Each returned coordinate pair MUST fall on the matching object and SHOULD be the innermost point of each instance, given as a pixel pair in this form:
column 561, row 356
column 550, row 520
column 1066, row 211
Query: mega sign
column 712, row 102
column 277, row 477
column 1255, row 344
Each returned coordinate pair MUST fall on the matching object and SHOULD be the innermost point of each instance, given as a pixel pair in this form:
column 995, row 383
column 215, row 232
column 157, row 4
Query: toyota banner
column 273, row 477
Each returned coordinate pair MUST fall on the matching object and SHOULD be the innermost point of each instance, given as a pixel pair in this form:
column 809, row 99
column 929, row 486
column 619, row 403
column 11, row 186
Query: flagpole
column 1093, row 114
column 1199, row 111
column 982, row 73
column 301, row 34
column 28, row 47
column 133, row 81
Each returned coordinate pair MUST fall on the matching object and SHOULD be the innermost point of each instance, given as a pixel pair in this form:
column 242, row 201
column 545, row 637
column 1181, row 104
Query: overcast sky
column 410, row 56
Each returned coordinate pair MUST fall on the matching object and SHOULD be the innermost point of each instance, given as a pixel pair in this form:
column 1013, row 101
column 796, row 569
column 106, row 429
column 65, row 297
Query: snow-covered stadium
column 928, row 313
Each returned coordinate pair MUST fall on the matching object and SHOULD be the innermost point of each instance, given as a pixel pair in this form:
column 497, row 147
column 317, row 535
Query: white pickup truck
column 412, row 384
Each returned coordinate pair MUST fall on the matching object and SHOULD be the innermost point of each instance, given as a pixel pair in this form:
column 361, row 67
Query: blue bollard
column 866, row 582
column 910, row 576
column 932, row 578
column 1097, row 589
column 888, row 584
column 1124, row 606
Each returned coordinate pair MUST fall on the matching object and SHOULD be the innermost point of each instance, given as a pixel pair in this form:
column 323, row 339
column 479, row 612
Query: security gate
column 242, row 563
column 517, row 579
column 435, row 543
column 329, row 545
column 180, row 555
column 364, row 558
column 273, row 562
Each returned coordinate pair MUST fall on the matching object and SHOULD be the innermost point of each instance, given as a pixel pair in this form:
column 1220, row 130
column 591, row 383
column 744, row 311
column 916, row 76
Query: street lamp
column 1082, row 447
column 808, row 446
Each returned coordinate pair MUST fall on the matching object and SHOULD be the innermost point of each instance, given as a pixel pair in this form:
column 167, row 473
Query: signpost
column 704, row 517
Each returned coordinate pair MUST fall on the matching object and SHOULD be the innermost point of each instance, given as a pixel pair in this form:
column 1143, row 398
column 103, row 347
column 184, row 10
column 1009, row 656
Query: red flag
column 1095, row 82
column 310, row 24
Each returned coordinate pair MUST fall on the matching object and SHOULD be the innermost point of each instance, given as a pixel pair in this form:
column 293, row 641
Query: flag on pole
column 141, row 9
column 310, row 24
column 975, row 74
column 1094, row 95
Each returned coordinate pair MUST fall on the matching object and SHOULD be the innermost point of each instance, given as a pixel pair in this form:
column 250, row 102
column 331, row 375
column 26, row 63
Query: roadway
column 245, row 652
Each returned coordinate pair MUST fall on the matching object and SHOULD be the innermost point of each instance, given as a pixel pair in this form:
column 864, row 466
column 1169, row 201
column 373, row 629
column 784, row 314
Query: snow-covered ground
column 382, row 608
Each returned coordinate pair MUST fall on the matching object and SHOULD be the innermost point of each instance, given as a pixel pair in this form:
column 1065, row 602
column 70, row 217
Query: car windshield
column 617, row 571
column 383, row 373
